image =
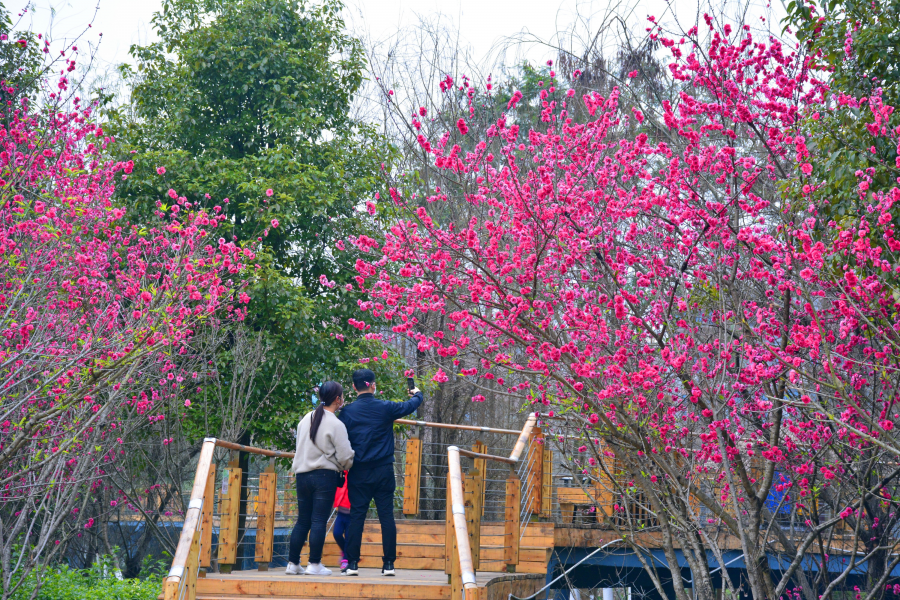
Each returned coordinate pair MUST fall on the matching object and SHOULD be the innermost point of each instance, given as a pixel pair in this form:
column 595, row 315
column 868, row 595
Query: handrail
column 457, row 497
column 191, row 521
column 523, row 438
column 460, row 427
column 252, row 450
column 458, row 506
column 192, row 518
column 471, row 454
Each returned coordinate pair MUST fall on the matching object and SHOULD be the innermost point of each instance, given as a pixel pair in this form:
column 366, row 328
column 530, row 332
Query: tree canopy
column 247, row 106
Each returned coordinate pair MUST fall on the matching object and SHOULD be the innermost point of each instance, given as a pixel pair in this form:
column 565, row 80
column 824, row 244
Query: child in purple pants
column 342, row 520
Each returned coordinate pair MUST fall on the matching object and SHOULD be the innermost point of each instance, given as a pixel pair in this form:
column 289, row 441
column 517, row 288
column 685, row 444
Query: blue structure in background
column 619, row 567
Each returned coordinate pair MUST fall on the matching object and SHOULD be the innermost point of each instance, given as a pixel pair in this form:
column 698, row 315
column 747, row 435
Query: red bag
column 341, row 498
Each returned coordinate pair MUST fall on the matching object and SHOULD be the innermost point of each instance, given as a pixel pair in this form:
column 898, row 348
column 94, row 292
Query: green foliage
column 875, row 30
column 98, row 582
column 238, row 98
column 839, row 143
column 21, row 64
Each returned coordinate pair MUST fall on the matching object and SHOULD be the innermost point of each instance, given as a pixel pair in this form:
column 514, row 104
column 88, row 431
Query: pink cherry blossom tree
column 96, row 316
column 674, row 296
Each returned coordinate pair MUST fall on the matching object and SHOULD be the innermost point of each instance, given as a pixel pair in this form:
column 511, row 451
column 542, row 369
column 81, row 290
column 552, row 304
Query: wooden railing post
column 190, row 569
column 230, row 506
column 535, row 476
column 511, row 522
column 265, row 517
column 546, row 481
column 206, row 519
column 449, row 534
column 456, row 586
column 473, row 484
column 481, row 466
column 412, row 474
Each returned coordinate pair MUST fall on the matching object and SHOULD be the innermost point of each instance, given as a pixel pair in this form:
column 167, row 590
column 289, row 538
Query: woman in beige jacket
column 323, row 453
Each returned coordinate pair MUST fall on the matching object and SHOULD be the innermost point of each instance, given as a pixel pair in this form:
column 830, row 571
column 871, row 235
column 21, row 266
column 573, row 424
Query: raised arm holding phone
column 370, row 427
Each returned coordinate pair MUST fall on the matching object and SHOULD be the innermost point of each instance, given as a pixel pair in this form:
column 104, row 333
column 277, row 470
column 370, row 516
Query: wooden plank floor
column 418, row 577
column 407, row 584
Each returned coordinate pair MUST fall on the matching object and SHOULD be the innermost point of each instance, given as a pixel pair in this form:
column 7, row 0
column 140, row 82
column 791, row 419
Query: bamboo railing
column 464, row 507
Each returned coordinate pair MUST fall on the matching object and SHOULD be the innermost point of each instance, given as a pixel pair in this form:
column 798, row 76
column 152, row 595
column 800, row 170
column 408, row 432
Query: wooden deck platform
column 407, row 584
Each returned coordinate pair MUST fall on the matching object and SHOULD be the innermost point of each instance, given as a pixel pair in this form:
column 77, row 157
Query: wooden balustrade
column 465, row 502
column 181, row 581
column 474, row 484
column 546, row 507
column 480, row 465
column 465, row 509
column 449, row 535
column 534, row 481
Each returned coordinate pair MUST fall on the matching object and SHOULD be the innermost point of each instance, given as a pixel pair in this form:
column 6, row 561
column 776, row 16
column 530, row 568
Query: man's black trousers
column 363, row 486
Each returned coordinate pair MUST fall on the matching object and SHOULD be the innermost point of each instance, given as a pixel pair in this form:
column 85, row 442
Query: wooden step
column 422, row 585
column 489, row 553
column 420, row 546
column 372, row 535
column 369, row 585
column 437, row 527
column 488, row 564
column 526, row 553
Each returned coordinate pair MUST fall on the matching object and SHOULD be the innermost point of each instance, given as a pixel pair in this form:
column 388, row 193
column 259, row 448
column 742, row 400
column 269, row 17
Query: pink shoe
column 344, row 564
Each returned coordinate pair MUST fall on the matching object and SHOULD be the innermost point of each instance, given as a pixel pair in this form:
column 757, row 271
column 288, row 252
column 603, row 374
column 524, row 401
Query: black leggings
column 315, row 497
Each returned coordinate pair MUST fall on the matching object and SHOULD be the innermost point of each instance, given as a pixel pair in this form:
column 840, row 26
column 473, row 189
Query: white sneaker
column 293, row 569
column 317, row 569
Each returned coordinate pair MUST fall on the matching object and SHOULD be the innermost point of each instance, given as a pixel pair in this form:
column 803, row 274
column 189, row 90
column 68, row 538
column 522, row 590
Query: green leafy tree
column 858, row 39
column 245, row 105
column 857, row 42
column 20, row 60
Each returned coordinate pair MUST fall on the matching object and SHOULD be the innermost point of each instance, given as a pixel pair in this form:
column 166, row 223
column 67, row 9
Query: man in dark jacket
column 370, row 426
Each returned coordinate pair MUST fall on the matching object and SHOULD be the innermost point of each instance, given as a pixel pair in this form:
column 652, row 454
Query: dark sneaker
column 352, row 568
column 388, row 569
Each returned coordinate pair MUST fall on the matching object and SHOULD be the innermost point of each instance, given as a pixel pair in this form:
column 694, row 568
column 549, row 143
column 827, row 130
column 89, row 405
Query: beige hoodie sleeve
column 343, row 452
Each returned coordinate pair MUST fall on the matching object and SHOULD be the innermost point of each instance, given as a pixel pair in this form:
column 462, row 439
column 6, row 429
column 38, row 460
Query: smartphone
column 410, row 383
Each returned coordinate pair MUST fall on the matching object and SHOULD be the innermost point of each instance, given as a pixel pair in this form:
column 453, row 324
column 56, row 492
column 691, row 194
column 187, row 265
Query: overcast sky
column 482, row 23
